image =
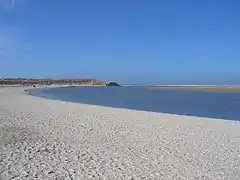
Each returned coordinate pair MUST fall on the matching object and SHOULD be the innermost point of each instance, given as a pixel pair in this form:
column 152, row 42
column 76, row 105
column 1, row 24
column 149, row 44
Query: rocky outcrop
column 112, row 84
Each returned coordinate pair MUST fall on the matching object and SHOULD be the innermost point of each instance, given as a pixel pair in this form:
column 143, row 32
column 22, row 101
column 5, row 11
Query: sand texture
column 48, row 139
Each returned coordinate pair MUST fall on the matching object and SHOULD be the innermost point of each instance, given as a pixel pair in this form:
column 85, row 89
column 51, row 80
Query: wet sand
column 48, row 139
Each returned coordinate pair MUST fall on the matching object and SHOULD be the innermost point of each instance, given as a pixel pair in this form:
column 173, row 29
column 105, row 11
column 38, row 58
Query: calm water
column 196, row 103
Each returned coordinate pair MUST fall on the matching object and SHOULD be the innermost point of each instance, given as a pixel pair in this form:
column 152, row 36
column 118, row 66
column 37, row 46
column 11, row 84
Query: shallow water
column 195, row 103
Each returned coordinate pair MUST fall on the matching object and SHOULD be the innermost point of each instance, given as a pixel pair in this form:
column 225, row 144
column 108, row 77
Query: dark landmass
column 112, row 84
column 218, row 88
column 26, row 81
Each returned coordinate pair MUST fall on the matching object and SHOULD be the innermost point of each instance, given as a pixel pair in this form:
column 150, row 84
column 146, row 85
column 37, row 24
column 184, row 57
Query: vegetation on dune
column 25, row 81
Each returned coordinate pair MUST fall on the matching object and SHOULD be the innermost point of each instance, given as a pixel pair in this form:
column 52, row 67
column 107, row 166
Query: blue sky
column 129, row 41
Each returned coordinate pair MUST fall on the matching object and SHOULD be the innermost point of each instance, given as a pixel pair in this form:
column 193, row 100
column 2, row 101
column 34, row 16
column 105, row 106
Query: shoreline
column 37, row 94
column 202, row 88
column 79, row 141
column 31, row 93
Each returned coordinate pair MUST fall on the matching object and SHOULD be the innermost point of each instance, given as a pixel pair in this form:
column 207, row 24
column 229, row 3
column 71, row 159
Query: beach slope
column 48, row 139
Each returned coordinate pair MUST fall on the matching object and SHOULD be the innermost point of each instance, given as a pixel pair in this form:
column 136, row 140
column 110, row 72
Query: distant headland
column 30, row 81
column 112, row 84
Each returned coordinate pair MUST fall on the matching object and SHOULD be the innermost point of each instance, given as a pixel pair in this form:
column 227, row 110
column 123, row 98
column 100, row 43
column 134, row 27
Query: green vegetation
column 24, row 81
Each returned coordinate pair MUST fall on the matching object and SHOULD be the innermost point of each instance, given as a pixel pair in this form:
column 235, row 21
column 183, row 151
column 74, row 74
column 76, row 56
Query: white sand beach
column 49, row 139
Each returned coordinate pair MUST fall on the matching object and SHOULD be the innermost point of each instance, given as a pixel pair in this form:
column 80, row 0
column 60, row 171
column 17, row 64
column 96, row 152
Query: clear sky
column 129, row 41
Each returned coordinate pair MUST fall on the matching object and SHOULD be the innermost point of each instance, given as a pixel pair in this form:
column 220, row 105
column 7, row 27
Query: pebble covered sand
column 49, row 139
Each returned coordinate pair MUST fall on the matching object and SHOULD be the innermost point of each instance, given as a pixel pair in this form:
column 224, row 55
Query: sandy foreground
column 48, row 139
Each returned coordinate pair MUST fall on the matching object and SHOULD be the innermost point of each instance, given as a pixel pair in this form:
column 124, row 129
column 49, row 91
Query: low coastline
column 207, row 88
column 45, row 139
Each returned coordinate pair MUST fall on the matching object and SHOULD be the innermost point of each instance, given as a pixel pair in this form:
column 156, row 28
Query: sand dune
column 47, row 139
